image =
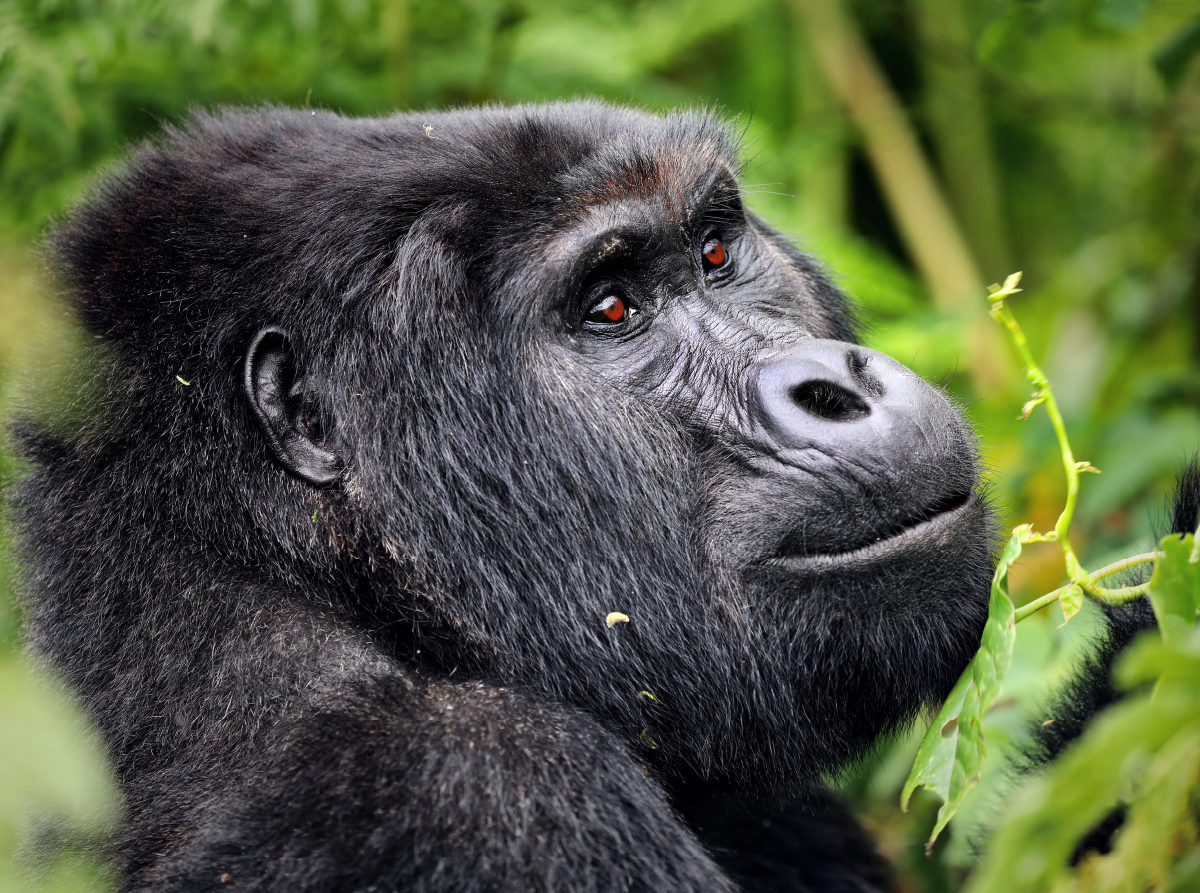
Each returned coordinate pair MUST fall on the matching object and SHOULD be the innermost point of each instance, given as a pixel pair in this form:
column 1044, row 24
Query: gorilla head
column 470, row 382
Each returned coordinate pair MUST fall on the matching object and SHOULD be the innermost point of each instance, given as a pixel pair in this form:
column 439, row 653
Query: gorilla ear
column 281, row 398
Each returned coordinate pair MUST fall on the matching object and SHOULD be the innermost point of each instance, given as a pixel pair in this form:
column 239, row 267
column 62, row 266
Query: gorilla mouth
column 939, row 527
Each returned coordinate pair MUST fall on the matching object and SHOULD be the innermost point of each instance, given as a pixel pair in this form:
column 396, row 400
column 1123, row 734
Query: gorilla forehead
column 586, row 179
column 552, row 166
column 593, row 154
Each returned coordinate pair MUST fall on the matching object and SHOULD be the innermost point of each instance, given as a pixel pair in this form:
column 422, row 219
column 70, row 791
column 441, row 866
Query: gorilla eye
column 714, row 254
column 609, row 310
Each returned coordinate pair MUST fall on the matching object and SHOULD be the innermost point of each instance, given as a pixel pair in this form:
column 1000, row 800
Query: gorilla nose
column 856, row 435
column 850, row 402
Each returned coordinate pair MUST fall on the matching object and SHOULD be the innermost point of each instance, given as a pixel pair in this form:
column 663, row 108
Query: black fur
column 403, row 679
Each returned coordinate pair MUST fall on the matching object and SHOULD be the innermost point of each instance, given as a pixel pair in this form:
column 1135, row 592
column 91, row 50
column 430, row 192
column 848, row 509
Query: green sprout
column 1044, row 395
column 951, row 754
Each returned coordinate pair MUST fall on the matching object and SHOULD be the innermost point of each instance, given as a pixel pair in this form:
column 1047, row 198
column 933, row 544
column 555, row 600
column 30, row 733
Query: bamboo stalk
column 821, row 128
column 922, row 215
column 958, row 123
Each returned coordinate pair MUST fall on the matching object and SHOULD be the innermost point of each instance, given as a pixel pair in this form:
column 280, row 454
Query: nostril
column 829, row 401
column 862, row 375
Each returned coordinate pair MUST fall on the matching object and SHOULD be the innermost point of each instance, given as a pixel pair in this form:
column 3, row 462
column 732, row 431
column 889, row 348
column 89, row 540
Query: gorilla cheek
column 850, row 519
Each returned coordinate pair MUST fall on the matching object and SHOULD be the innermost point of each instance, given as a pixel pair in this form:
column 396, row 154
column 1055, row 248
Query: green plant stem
column 1044, row 394
column 1116, row 567
column 1037, row 604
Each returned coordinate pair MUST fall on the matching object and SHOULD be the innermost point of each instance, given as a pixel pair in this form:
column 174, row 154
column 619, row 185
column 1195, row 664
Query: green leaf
column 1159, row 818
column 1070, row 601
column 935, row 757
column 1144, row 751
column 1175, row 589
column 1000, row 292
column 1051, row 813
column 1150, row 658
column 952, row 751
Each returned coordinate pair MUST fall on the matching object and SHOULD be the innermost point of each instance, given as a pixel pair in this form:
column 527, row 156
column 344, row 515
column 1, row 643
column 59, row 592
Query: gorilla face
column 472, row 382
column 616, row 390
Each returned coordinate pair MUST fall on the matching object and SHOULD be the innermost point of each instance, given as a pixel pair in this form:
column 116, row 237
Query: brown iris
column 714, row 252
column 609, row 310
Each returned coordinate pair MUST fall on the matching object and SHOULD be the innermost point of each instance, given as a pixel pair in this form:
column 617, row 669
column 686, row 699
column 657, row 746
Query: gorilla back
column 394, row 418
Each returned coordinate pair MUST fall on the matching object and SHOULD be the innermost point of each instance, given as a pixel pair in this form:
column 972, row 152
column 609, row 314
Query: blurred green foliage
column 1142, row 754
column 1063, row 135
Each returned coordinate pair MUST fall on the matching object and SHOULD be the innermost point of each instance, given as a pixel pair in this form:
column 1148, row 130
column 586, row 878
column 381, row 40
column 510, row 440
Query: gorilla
column 483, row 501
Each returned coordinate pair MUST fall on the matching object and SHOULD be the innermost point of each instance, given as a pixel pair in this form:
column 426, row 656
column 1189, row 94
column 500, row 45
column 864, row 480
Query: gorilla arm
column 387, row 781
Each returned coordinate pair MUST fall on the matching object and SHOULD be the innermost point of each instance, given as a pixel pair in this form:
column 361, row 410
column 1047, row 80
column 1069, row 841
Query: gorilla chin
column 866, row 639
column 485, row 500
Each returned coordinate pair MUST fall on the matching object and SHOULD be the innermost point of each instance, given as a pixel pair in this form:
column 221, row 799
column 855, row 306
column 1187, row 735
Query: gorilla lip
column 934, row 531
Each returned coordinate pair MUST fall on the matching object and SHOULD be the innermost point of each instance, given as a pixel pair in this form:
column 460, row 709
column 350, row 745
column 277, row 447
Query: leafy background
column 923, row 148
